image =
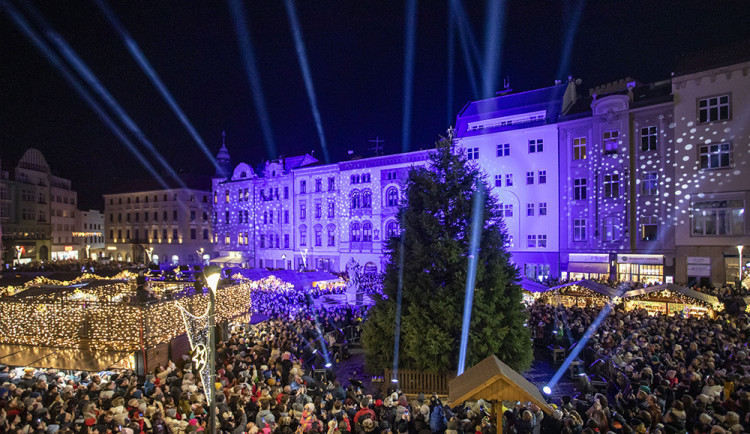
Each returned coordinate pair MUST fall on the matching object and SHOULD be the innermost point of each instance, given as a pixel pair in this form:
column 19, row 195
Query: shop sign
column 697, row 270
column 588, row 257
column 68, row 248
column 702, row 260
column 641, row 259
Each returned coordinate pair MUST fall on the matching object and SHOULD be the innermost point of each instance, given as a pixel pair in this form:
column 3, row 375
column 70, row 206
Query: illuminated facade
column 616, row 169
column 38, row 210
column 712, row 179
column 89, row 234
column 296, row 214
column 164, row 226
column 514, row 139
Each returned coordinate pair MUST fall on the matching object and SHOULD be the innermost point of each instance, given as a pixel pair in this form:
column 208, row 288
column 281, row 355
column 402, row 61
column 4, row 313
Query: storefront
column 647, row 269
column 587, row 266
column 699, row 270
column 67, row 252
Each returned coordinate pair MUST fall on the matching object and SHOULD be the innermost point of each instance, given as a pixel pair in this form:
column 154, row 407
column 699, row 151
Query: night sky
column 355, row 51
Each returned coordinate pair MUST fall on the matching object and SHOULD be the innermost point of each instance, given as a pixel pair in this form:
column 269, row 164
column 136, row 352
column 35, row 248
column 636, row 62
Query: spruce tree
column 434, row 237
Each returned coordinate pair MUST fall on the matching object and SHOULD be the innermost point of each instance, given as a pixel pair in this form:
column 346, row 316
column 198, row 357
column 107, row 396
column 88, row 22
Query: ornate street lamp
column 212, row 274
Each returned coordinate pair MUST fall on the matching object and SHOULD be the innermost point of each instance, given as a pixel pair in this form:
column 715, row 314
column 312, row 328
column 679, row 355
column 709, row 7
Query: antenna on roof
column 506, row 86
column 377, row 148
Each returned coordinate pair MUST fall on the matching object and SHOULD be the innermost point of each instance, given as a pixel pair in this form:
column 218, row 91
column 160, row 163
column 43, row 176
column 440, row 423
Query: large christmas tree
column 436, row 218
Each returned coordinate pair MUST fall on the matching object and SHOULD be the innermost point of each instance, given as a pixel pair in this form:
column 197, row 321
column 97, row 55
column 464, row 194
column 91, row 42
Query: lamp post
column 200, row 255
column 283, row 260
column 212, row 274
column 739, row 250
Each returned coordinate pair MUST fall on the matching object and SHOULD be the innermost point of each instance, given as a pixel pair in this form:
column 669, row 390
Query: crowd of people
column 71, row 265
column 680, row 374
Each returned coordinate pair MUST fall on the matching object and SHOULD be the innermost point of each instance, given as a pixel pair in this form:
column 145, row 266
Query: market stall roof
column 228, row 260
column 590, row 284
column 305, row 279
column 710, row 299
column 532, row 286
column 253, row 273
column 59, row 358
column 491, row 379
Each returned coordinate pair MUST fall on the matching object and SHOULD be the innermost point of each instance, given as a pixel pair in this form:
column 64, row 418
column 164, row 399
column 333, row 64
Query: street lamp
column 283, row 260
column 212, row 274
column 739, row 249
column 200, row 255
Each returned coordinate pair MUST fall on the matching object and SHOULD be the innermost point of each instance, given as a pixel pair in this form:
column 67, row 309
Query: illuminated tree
column 434, row 238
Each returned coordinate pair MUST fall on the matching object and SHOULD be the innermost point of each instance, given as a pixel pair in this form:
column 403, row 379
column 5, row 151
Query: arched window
column 391, row 196
column 318, row 235
column 391, row 228
column 366, row 231
column 356, row 232
column 331, row 229
column 355, row 202
column 370, row 269
column 366, row 199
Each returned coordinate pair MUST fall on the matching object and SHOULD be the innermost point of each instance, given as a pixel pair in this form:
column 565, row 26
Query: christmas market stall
column 581, row 293
column 110, row 323
column 532, row 290
column 672, row 299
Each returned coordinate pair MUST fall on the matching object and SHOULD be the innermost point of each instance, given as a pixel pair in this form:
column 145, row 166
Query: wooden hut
column 671, row 299
column 493, row 380
column 581, row 293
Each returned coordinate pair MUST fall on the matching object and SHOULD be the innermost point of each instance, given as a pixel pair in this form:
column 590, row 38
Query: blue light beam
column 247, row 52
column 477, row 223
column 399, row 297
column 451, row 67
column 410, row 42
column 580, row 345
column 140, row 58
column 52, row 58
column 466, row 37
column 88, row 76
column 299, row 45
column 570, row 34
column 493, row 46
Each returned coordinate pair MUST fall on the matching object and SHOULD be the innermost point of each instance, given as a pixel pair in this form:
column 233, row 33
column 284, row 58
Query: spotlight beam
column 247, row 52
column 582, row 342
column 409, row 55
column 88, row 76
column 140, row 58
column 570, row 34
column 399, row 297
column 451, row 66
column 299, row 45
column 493, row 46
column 477, row 223
column 42, row 46
column 467, row 56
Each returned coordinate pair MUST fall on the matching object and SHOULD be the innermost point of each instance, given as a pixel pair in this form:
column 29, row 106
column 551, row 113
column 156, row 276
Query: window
column 579, row 229
column 609, row 141
column 331, row 229
column 366, row 199
column 174, row 215
column 192, row 216
column 579, row 148
column 174, row 235
column 391, row 228
column 508, row 210
column 263, row 241
column 331, row 184
column 611, row 229
column 536, row 145
column 715, row 156
column 205, row 234
column 270, row 216
column 529, row 178
column 503, row 149
column 509, row 180
column 286, row 216
column 509, row 241
column 193, row 233
column 354, row 179
column 145, row 216
column 498, row 180
column 265, row 217
column 648, row 139
column 716, row 218
column 302, row 187
column 286, row 241
column 156, row 216
column 715, row 108
column 531, row 241
column 648, row 228
column 542, row 176
column 366, row 177
column 286, row 192
column 542, row 241
column 612, row 185
column 247, row 220
column 318, row 210
column 472, row 153
column 391, row 197
column 367, row 231
column 318, row 235
column 529, row 210
column 579, row 189
column 537, row 272
column 226, row 196
column 542, row 208
column 356, row 201
column 650, row 183
column 355, row 232
column 318, row 185
column 302, row 211
column 331, row 209
column 303, row 236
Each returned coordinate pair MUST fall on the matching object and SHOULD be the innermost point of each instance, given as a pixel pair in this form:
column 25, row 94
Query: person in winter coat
column 437, row 420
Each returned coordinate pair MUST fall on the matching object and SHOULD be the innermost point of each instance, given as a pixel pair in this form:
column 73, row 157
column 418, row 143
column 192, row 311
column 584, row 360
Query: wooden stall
column 671, row 299
column 582, row 293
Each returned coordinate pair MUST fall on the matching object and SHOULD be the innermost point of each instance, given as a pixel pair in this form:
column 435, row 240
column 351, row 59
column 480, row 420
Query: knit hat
column 705, row 419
